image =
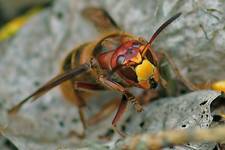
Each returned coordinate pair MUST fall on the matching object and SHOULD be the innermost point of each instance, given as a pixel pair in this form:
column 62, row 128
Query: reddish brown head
column 135, row 68
column 136, row 62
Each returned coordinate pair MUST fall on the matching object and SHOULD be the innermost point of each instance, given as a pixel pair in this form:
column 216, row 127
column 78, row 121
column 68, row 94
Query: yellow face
column 144, row 71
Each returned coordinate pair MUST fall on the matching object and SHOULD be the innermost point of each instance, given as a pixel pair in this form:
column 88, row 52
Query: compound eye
column 153, row 83
column 120, row 59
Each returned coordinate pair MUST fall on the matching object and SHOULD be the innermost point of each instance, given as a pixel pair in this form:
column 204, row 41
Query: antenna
column 163, row 26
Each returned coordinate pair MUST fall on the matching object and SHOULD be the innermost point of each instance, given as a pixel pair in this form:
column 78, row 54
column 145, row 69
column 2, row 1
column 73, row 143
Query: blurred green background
column 10, row 9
